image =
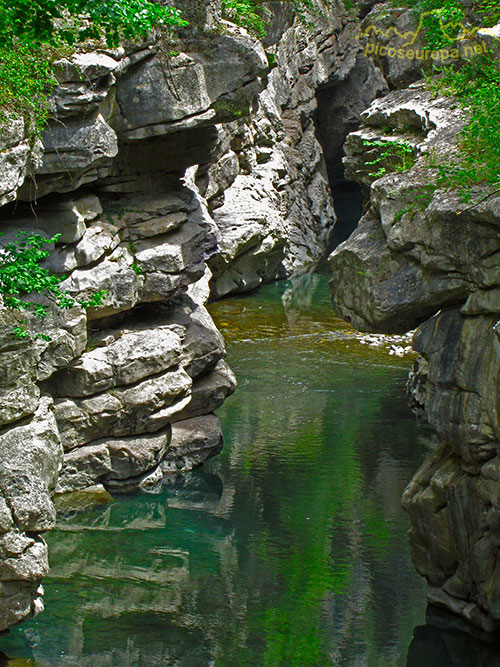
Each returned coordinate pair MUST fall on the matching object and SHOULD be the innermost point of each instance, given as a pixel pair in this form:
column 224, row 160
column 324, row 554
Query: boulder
column 125, row 360
column 193, row 442
column 15, row 158
column 141, row 408
column 113, row 461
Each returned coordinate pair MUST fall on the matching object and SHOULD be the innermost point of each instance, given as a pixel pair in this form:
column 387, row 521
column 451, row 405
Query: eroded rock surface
column 422, row 256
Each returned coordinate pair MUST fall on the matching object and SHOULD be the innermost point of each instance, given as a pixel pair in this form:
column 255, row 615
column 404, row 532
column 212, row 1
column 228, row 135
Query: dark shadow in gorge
column 348, row 201
column 339, row 105
column 447, row 640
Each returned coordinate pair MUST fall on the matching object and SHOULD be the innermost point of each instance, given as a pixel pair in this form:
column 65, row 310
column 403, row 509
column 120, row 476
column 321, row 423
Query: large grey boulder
column 33, row 456
column 32, row 459
column 15, row 158
column 193, row 442
column 74, row 146
column 193, row 88
column 66, row 216
column 114, row 462
column 253, row 236
column 125, row 360
column 208, row 392
column 141, row 408
column 405, row 260
column 456, row 379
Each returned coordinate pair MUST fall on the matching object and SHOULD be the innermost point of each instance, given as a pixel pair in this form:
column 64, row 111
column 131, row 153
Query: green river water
column 288, row 549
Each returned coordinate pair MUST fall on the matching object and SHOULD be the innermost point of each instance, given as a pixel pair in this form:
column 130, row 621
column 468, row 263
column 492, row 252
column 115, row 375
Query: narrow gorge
column 179, row 174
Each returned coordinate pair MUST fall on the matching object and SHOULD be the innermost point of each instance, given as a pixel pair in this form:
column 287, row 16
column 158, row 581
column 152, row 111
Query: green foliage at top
column 489, row 12
column 69, row 21
column 26, row 76
column 21, row 274
column 448, row 13
column 253, row 14
column 394, row 155
column 33, row 33
column 451, row 15
column 246, row 13
column 477, row 85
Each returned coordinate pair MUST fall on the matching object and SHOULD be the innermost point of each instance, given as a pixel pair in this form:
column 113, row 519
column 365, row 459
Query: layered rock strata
column 122, row 393
column 271, row 175
column 422, row 256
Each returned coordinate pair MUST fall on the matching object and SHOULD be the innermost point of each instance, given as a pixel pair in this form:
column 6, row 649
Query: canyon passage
column 289, row 547
column 264, row 193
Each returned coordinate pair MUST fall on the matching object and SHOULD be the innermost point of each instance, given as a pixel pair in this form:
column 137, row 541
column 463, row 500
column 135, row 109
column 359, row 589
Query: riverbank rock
column 422, row 257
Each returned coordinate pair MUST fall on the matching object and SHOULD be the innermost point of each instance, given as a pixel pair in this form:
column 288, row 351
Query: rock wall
column 422, row 257
column 122, row 393
column 271, row 169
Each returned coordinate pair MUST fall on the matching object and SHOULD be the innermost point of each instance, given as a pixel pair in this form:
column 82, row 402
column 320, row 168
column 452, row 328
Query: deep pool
column 288, row 549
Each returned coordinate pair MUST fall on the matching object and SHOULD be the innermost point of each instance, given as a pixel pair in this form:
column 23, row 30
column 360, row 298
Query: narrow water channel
column 288, row 549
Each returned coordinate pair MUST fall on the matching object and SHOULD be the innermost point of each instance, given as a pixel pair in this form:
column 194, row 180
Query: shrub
column 394, row 155
column 35, row 22
column 253, row 15
column 21, row 274
column 476, row 83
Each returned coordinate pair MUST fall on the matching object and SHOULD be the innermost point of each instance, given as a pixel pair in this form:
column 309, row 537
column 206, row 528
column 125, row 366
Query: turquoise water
column 288, row 549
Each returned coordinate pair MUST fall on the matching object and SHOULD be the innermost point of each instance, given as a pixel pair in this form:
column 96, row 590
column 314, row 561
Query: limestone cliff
column 422, row 257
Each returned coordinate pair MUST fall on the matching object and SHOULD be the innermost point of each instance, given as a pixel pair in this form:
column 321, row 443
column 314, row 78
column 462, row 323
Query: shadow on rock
column 447, row 641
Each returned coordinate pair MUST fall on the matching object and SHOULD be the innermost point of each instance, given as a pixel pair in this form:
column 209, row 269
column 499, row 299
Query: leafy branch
column 395, row 156
column 21, row 275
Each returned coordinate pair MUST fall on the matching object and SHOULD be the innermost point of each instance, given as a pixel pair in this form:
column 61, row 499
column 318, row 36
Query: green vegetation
column 34, row 33
column 246, row 13
column 26, row 76
column 36, row 22
column 230, row 109
column 448, row 15
column 445, row 18
column 394, row 156
column 477, row 85
column 21, row 275
column 489, row 12
column 254, row 15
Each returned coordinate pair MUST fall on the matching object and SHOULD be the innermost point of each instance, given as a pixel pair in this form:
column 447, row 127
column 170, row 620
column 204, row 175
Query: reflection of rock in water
column 196, row 490
column 141, row 561
column 299, row 294
column 446, row 641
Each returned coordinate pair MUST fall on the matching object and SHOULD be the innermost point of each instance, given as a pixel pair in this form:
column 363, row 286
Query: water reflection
column 448, row 640
column 287, row 549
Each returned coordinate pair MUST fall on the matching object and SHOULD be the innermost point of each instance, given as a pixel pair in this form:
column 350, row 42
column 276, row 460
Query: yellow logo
column 409, row 38
column 463, row 36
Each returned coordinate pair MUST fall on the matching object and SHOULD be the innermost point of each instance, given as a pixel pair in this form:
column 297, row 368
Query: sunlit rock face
column 422, row 257
column 269, row 192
